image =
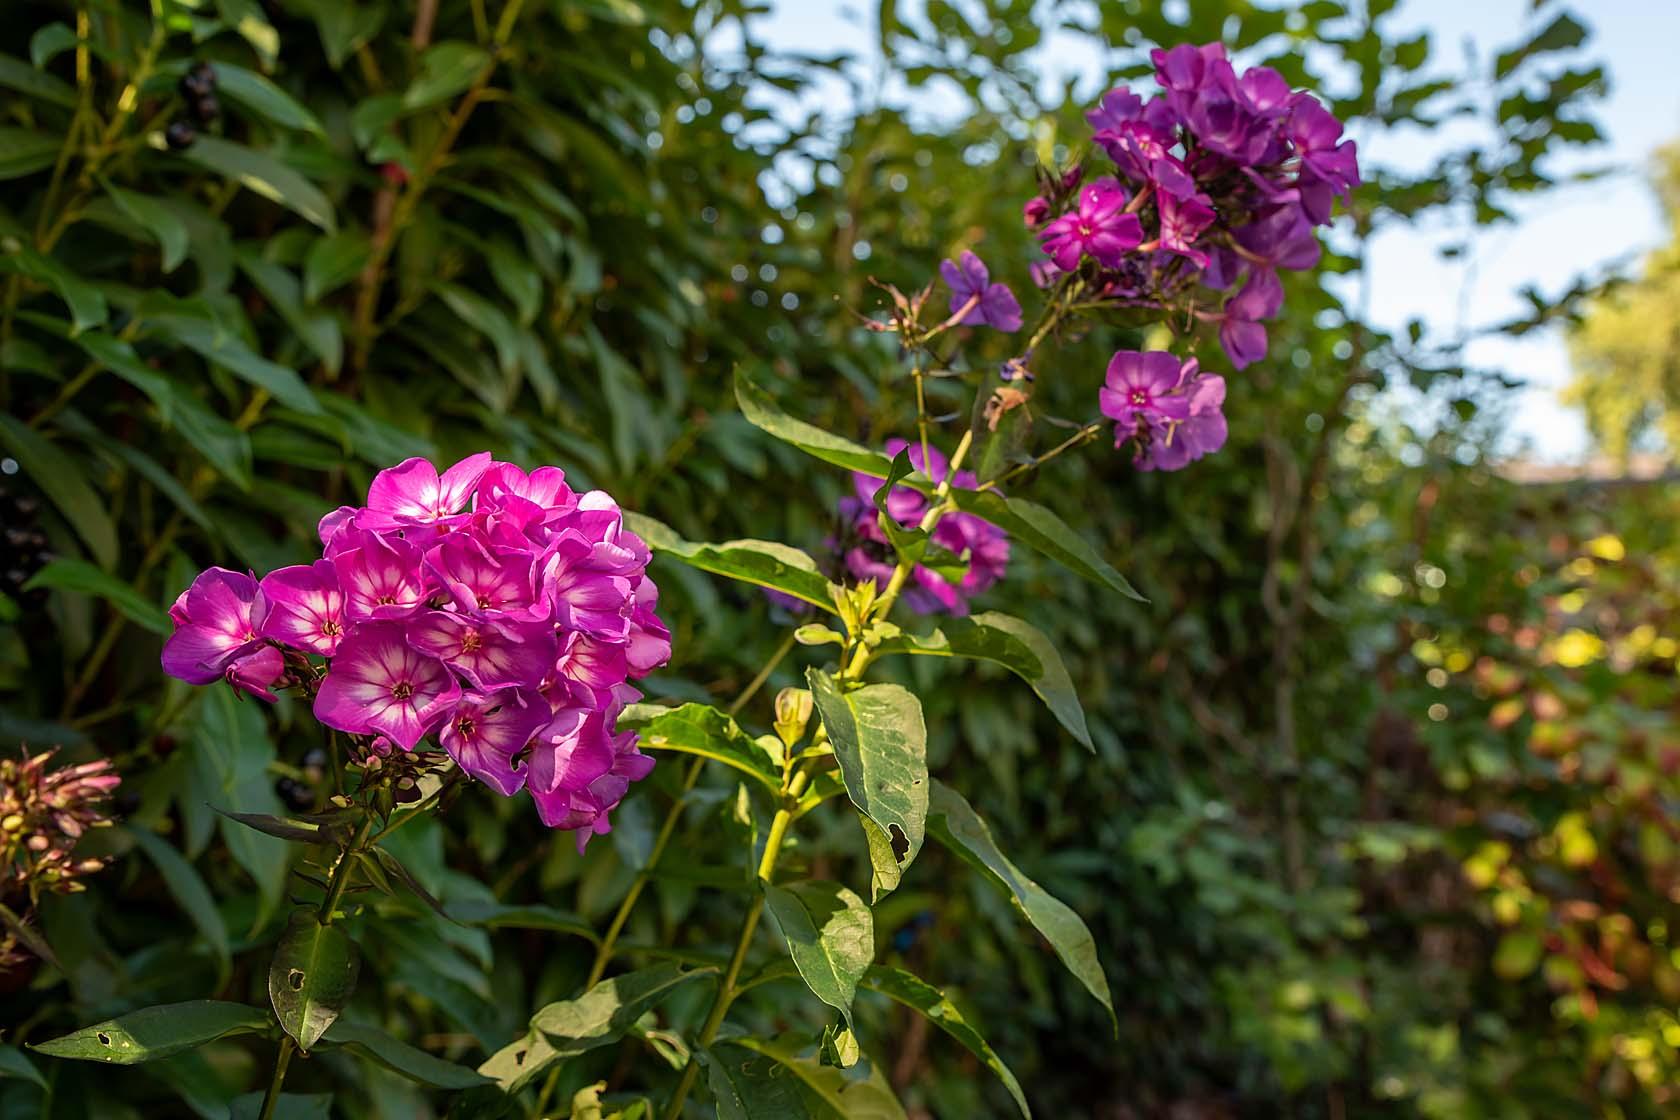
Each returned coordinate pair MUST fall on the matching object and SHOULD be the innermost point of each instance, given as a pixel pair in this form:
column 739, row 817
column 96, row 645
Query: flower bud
column 793, row 712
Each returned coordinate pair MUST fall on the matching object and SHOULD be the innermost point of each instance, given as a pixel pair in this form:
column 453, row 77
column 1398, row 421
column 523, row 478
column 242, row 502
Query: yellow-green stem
column 726, row 988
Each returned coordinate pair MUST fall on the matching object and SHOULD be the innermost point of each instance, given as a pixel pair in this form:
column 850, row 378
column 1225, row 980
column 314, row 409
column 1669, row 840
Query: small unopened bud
column 12, row 823
column 793, row 712
column 38, row 843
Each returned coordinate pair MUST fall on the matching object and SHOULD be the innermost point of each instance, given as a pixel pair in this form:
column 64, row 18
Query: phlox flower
column 1098, row 227
column 993, row 305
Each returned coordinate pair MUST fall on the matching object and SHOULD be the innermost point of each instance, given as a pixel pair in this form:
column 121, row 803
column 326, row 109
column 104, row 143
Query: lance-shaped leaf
column 312, row 976
column 880, row 742
column 1016, row 645
column 910, row 544
column 922, row 997
column 1044, row 532
column 399, row 1057
column 157, row 1032
column 189, row 889
column 297, row 829
column 759, row 1079
column 597, row 1018
column 779, row 567
column 830, row 935
column 27, row 935
column 84, row 579
column 496, row 915
column 15, row 1063
column 954, row 823
column 58, row 475
column 701, row 729
column 764, row 415
column 261, row 173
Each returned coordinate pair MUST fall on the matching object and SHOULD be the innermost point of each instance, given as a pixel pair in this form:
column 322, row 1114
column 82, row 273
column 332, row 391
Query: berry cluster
column 198, row 89
column 24, row 549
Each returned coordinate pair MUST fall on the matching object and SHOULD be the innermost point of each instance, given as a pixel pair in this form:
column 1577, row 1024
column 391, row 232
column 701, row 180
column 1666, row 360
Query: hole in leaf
column 295, row 979
column 104, row 1039
column 900, row 842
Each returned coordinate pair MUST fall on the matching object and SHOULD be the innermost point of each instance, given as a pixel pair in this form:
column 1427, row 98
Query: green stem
column 336, row 886
column 604, row 954
column 272, row 1097
column 732, row 974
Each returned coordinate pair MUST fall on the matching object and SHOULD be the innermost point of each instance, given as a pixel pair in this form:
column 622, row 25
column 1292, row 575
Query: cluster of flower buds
column 976, row 551
column 43, row 813
column 496, row 610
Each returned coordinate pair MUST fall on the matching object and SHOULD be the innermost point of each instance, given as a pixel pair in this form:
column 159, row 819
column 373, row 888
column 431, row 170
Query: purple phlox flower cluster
column 1169, row 409
column 982, row 546
column 497, row 611
column 1219, row 180
column 974, row 297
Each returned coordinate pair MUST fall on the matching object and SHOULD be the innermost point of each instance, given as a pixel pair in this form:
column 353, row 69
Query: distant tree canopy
column 1626, row 349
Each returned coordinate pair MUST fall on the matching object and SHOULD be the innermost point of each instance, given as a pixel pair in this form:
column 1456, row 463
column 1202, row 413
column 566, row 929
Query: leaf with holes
column 157, row 1032
column 312, row 976
column 953, row 821
column 928, row 1001
column 779, row 567
column 880, row 742
column 830, row 935
column 1018, row 646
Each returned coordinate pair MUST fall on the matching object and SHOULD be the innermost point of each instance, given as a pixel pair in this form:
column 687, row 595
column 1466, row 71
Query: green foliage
column 522, row 228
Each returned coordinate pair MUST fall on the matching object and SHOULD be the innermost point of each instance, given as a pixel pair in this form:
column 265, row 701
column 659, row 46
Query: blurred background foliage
column 1379, row 823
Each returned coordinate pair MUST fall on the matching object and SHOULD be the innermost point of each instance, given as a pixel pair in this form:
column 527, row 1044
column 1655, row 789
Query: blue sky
column 1569, row 231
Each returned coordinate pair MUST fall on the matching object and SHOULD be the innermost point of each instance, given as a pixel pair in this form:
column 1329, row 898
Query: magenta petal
column 490, row 655
column 378, row 683
column 306, row 608
column 487, row 731
column 572, row 751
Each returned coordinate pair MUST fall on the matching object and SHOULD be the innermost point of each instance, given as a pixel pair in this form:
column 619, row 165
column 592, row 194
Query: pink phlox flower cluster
column 497, row 611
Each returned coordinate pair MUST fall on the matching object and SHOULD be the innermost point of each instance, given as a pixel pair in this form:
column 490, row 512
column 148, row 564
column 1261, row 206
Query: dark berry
column 198, row 81
column 206, row 109
column 180, row 135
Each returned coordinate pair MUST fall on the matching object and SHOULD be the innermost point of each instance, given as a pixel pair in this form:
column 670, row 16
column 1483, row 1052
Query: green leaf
column 119, row 357
column 910, row 544
column 399, row 1057
column 930, row 1002
column 221, row 443
column 157, row 1032
column 489, row 320
column 226, row 349
column 1044, row 532
column 188, row 888
column 263, row 97
column 15, row 1063
column 754, row 1079
column 24, row 152
column 700, row 729
column 763, row 414
column 264, row 174
column 334, row 261
column 317, row 327
column 1562, row 34
column 157, row 219
column 446, row 69
column 517, row 277
column 34, row 82
column 955, row 824
column 311, row 977
column 231, row 755
column 880, row 742
column 82, row 578
column 60, row 477
column 287, row 1106
column 597, row 1018
column 765, row 563
column 830, row 935
column 1016, row 645
column 284, row 828
column 496, row 915
column 86, row 302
